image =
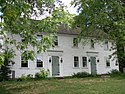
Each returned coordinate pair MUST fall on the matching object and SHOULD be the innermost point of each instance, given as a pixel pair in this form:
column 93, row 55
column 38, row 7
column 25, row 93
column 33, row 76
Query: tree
column 5, row 69
column 106, row 15
column 19, row 17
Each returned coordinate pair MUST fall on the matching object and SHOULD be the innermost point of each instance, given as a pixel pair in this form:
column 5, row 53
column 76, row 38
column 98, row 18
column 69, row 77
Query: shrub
column 25, row 78
column 29, row 76
column 115, row 72
column 81, row 75
column 42, row 74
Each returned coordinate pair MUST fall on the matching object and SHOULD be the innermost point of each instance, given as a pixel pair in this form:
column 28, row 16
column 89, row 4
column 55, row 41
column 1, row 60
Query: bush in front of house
column 25, row 78
column 42, row 74
column 116, row 73
column 81, row 75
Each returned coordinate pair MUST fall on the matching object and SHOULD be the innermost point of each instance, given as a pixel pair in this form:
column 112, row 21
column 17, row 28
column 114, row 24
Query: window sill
column 84, row 67
column 76, row 67
column 24, row 68
column 39, row 68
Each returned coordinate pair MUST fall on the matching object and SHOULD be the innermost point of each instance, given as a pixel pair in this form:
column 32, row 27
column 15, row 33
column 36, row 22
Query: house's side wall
column 66, row 52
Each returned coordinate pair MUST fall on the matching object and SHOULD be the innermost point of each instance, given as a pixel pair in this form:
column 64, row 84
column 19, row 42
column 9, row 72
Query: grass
column 89, row 85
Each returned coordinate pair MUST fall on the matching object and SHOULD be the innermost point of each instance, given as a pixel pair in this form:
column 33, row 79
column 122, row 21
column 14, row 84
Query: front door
column 93, row 66
column 55, row 66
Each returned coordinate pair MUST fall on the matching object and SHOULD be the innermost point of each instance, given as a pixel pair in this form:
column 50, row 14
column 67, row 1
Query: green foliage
column 42, row 74
column 103, row 15
column 117, row 74
column 5, row 69
column 81, row 75
column 21, row 17
column 25, row 78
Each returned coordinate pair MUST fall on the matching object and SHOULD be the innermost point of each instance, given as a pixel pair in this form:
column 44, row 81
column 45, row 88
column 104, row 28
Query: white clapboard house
column 68, row 57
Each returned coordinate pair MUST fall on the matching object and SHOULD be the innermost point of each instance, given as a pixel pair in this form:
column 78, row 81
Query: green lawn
column 65, row 86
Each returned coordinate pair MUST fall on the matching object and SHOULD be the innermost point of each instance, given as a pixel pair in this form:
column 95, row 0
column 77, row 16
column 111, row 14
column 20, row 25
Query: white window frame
column 76, row 62
column 107, row 60
column 84, row 62
column 22, row 61
column 37, row 63
column 92, row 44
column 75, row 42
column 106, row 45
column 56, row 42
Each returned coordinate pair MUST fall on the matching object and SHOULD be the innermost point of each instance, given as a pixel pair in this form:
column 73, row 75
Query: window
column 39, row 38
column 22, row 40
column 92, row 44
column 106, row 46
column 1, row 43
column 75, row 42
column 76, row 61
column 24, row 63
column 84, row 61
column 56, row 41
column 107, row 62
column 39, row 63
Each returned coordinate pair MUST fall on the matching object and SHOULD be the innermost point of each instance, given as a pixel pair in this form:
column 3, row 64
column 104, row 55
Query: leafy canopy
column 16, row 20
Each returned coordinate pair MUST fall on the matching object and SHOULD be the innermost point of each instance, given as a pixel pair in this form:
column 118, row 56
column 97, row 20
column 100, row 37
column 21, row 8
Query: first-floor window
column 24, row 63
column 39, row 63
column 76, row 61
column 84, row 61
column 107, row 62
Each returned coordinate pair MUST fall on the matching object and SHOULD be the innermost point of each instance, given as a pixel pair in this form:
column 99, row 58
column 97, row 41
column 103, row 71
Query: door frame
column 95, row 65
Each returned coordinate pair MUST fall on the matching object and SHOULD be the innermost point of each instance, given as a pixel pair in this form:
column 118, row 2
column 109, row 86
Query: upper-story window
column 24, row 63
column 76, row 61
column 1, row 43
column 106, row 45
column 75, row 42
column 22, row 40
column 107, row 62
column 56, row 40
column 39, row 37
column 92, row 44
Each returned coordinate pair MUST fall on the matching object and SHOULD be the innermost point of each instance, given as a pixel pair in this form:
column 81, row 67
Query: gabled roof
column 77, row 31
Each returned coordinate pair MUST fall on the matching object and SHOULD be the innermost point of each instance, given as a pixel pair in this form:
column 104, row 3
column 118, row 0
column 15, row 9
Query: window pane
column 75, row 58
column 56, row 41
column 24, row 63
column 107, row 62
column 106, row 47
column 84, row 61
column 92, row 44
column 76, row 61
column 75, row 42
column 39, row 63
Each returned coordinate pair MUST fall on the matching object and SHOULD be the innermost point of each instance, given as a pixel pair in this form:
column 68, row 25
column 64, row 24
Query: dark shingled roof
column 77, row 31
column 65, row 30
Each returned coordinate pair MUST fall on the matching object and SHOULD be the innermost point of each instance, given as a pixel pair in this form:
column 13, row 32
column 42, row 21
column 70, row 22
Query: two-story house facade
column 68, row 57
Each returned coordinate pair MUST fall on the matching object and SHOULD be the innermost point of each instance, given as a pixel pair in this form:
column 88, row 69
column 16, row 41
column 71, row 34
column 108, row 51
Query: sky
column 71, row 9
